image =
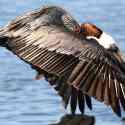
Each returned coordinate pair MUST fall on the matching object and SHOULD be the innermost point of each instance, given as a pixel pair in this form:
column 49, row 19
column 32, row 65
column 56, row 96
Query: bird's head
column 88, row 29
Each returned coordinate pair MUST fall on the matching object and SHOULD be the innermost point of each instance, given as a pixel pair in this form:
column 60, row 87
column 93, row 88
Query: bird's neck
column 105, row 40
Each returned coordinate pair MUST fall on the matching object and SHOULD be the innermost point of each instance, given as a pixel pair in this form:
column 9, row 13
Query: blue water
column 24, row 101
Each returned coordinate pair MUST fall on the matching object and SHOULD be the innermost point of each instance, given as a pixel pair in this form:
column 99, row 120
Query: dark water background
column 24, row 101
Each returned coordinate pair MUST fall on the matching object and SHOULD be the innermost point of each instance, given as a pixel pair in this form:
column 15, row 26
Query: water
column 24, row 101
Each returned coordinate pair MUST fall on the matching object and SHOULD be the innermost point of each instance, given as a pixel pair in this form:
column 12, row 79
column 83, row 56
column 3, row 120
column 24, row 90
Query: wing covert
column 46, row 41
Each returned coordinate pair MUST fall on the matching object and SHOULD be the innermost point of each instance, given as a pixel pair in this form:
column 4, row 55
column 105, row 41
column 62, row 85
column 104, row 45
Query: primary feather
column 77, row 67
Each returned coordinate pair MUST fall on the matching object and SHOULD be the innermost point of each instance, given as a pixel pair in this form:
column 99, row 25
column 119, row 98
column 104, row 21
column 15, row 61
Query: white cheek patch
column 105, row 40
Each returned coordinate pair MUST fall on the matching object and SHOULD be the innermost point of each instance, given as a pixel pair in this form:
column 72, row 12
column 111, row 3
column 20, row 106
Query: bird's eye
column 77, row 29
column 82, row 30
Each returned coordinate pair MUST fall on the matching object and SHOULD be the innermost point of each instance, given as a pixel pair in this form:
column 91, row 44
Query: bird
column 80, row 61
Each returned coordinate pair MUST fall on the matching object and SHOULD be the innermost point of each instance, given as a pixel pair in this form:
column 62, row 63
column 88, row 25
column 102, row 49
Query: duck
column 80, row 61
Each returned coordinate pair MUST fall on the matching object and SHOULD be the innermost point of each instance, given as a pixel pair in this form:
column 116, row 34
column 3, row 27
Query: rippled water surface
column 24, row 101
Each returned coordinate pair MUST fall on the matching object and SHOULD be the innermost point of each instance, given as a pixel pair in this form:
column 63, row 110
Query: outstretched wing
column 46, row 40
column 114, row 49
column 38, row 26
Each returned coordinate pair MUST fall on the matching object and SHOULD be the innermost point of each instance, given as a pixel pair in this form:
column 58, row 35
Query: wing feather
column 46, row 40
